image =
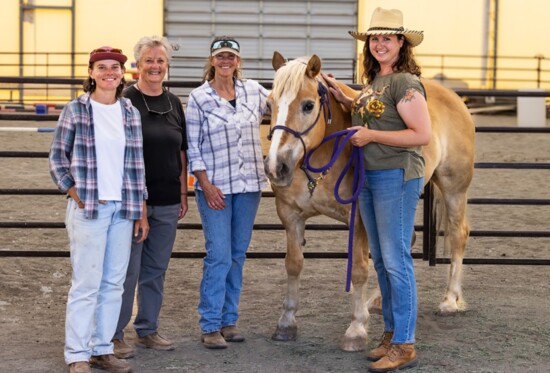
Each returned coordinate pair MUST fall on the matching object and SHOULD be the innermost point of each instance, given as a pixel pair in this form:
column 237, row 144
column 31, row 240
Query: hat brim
column 99, row 56
column 413, row 37
column 226, row 49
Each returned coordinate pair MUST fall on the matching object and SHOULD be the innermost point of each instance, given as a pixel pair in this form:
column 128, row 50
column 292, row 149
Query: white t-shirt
column 110, row 143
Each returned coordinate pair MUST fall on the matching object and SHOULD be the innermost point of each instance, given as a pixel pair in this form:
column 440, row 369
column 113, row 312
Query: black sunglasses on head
column 233, row 44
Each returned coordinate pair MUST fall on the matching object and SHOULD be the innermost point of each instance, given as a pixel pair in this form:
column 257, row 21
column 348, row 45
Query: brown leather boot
column 80, row 367
column 122, row 350
column 232, row 334
column 156, row 342
column 402, row 356
column 382, row 349
column 213, row 341
column 111, row 364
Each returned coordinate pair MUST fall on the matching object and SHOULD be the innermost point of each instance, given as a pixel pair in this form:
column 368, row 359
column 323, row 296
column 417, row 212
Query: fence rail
column 453, row 70
column 428, row 228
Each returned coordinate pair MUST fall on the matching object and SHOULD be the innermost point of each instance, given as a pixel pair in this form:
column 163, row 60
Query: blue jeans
column 227, row 234
column 100, row 250
column 387, row 205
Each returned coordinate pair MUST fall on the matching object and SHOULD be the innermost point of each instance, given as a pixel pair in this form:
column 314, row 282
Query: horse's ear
column 313, row 66
column 277, row 61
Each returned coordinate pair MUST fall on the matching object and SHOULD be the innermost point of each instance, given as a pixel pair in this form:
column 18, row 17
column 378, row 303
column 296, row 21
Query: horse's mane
column 289, row 78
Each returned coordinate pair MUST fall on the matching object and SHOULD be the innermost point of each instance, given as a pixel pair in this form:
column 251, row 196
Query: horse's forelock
column 289, row 79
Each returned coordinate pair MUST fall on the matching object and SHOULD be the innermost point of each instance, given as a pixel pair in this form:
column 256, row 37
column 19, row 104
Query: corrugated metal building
column 292, row 27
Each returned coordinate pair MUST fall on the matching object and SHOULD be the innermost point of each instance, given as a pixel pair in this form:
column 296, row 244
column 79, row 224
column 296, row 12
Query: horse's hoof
column 353, row 344
column 449, row 308
column 285, row 334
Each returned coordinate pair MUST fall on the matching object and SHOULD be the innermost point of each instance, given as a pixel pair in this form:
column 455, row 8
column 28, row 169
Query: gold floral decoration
column 374, row 109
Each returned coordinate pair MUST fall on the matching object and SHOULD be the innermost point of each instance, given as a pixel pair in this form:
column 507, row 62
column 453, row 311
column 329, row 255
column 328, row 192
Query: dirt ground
column 504, row 329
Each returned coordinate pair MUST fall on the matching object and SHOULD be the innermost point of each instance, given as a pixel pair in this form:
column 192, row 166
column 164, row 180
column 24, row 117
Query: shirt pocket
column 250, row 112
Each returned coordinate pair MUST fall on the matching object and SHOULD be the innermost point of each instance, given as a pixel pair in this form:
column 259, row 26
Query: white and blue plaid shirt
column 224, row 140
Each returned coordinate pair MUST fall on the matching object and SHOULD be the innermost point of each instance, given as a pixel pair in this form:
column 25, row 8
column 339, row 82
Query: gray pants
column 147, row 267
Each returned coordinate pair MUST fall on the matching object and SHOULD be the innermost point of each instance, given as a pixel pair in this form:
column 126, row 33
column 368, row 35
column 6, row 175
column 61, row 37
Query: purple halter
column 325, row 107
column 356, row 160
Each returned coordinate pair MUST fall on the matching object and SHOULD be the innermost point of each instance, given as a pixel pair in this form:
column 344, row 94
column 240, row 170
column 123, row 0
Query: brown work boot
column 80, row 367
column 213, row 340
column 122, row 349
column 232, row 334
column 382, row 349
column 111, row 364
column 402, row 356
column 156, row 342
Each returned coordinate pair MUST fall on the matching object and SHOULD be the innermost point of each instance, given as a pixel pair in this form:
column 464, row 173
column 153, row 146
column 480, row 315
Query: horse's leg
column 374, row 304
column 355, row 337
column 456, row 235
column 287, row 328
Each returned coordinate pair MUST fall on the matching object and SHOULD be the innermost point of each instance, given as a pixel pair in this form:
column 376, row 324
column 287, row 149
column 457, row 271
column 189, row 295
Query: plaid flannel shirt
column 73, row 162
column 225, row 140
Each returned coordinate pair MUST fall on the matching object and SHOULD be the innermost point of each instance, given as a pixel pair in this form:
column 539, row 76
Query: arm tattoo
column 409, row 95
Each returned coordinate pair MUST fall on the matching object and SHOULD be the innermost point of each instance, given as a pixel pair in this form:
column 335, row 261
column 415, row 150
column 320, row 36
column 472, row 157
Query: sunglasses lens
column 225, row 44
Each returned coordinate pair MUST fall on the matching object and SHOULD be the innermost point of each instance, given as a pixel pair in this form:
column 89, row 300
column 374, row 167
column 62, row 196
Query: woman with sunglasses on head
column 225, row 155
column 96, row 158
column 164, row 146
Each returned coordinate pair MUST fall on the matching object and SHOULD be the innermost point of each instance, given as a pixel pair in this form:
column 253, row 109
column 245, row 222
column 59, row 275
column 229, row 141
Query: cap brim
column 108, row 56
column 226, row 49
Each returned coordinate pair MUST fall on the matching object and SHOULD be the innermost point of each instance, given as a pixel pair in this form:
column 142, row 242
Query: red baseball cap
column 107, row 53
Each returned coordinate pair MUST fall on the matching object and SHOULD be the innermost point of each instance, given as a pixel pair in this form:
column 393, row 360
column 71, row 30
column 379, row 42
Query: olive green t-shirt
column 376, row 107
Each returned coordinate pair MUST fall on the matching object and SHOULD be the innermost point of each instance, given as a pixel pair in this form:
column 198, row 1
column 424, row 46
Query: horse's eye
column 308, row 106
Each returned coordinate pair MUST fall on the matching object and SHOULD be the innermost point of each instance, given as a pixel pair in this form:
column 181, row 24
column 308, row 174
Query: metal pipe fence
column 428, row 228
column 454, row 70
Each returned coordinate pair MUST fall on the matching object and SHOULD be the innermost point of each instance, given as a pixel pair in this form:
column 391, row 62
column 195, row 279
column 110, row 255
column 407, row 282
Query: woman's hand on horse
column 336, row 91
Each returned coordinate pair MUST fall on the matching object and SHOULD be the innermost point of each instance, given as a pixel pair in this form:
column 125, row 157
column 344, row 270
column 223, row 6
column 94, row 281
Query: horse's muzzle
column 278, row 172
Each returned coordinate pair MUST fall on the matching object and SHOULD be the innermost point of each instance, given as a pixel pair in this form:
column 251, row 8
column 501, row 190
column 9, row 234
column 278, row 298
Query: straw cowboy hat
column 389, row 22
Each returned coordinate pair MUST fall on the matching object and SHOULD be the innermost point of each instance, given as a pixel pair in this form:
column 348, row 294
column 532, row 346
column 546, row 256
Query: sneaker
column 232, row 334
column 382, row 349
column 156, row 342
column 213, row 341
column 122, row 349
column 402, row 356
column 80, row 367
column 111, row 364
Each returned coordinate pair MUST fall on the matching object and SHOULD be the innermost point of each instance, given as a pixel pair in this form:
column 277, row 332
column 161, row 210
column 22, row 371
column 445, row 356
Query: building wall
column 47, row 40
column 118, row 23
column 451, row 27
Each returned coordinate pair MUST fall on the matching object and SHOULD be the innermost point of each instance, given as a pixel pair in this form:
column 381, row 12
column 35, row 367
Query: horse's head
column 299, row 111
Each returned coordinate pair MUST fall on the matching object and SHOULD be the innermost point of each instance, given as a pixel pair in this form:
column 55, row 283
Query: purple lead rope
column 341, row 138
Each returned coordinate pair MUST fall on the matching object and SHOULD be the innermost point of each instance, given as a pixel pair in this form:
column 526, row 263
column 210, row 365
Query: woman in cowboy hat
column 392, row 123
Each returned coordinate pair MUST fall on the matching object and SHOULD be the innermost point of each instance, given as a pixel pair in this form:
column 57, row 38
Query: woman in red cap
column 96, row 158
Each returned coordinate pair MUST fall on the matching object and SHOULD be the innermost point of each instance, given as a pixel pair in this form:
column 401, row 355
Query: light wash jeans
column 227, row 234
column 388, row 205
column 100, row 250
column 146, row 269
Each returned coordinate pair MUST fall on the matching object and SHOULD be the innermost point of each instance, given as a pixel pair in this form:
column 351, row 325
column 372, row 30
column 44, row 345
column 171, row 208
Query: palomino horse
column 300, row 105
